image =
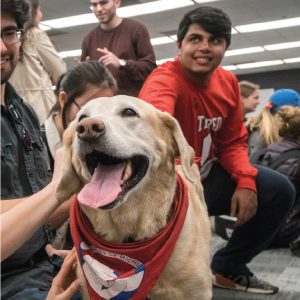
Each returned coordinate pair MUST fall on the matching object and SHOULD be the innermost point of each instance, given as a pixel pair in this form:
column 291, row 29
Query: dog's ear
column 69, row 182
column 185, row 151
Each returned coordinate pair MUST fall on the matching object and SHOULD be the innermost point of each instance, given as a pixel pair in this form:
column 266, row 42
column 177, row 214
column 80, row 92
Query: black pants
column 276, row 196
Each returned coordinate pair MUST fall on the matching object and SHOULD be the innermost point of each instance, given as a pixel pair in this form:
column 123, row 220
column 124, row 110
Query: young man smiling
column 27, row 273
column 123, row 45
column 205, row 99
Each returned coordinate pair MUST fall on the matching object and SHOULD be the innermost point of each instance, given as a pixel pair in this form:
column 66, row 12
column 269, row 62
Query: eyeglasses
column 94, row 5
column 76, row 104
column 11, row 36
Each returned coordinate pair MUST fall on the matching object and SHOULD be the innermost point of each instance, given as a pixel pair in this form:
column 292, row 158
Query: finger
column 67, row 266
column 71, row 290
column 62, row 253
column 87, row 59
column 105, row 60
column 102, row 51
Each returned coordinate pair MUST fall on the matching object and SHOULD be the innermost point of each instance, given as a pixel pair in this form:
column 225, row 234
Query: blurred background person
column 122, row 45
column 263, row 130
column 250, row 96
column 284, row 157
column 39, row 66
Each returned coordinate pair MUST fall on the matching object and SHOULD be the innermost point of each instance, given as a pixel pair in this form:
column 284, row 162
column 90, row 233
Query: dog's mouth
column 112, row 178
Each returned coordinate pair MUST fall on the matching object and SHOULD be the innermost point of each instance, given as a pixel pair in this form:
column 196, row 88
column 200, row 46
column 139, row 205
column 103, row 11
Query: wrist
column 122, row 63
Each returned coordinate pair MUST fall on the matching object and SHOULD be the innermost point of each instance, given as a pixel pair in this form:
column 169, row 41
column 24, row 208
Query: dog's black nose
column 90, row 129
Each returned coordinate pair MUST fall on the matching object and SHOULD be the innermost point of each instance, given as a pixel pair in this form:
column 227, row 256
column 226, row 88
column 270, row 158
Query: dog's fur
column 146, row 208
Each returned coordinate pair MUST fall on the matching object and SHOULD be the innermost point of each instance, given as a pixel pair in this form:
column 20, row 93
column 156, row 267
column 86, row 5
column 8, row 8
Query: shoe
column 248, row 283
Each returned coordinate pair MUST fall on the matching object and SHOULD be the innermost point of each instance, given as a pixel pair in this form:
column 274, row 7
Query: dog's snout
column 90, row 129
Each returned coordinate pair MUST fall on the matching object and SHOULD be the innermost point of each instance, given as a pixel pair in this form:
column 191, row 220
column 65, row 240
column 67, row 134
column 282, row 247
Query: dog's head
column 116, row 145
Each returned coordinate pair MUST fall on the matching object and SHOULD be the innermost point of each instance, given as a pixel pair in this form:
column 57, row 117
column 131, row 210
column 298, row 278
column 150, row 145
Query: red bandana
column 128, row 270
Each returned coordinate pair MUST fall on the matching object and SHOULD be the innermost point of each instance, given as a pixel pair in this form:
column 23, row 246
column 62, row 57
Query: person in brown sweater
column 122, row 45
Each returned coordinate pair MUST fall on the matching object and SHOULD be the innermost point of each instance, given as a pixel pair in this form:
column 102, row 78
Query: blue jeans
column 37, row 294
column 30, row 294
column 275, row 195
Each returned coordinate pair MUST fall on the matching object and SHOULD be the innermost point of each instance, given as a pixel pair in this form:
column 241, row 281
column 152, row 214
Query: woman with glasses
column 39, row 66
column 83, row 82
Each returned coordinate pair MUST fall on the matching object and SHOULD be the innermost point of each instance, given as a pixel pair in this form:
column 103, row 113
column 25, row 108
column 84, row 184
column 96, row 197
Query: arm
column 231, row 146
column 35, row 209
column 84, row 50
column 232, row 152
column 9, row 204
column 51, row 61
column 160, row 91
column 140, row 68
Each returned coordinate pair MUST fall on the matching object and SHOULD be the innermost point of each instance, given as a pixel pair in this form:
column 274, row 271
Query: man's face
column 200, row 52
column 9, row 53
column 105, row 10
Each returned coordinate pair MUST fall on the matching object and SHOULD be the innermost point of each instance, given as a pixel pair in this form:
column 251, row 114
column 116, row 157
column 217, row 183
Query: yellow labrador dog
column 139, row 222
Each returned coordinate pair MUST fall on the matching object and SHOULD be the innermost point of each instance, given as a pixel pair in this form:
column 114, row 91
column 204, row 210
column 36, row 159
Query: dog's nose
column 90, row 129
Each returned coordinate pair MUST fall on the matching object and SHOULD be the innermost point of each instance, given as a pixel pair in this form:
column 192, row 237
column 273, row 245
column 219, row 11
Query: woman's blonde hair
column 266, row 125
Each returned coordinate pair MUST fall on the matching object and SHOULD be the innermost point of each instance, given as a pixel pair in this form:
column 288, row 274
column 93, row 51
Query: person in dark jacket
column 28, row 272
column 284, row 157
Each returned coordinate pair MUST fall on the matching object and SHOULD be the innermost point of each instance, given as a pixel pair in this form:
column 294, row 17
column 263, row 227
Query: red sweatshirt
column 210, row 116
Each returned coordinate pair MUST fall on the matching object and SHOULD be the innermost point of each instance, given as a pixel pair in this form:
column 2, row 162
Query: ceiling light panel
column 244, row 51
column 280, row 46
column 152, row 7
column 260, row 64
column 161, row 40
column 229, row 67
column 269, row 25
column 292, row 60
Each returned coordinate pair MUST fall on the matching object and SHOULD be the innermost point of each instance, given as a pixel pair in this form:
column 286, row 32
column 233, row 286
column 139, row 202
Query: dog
column 120, row 155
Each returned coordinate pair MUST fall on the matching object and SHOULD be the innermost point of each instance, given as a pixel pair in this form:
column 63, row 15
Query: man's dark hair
column 213, row 20
column 18, row 9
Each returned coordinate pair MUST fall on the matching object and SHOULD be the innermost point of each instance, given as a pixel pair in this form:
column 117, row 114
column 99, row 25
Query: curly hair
column 288, row 118
column 18, row 9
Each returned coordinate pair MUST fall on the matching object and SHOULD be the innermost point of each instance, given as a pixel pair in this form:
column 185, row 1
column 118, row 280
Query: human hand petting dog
column 243, row 206
column 65, row 284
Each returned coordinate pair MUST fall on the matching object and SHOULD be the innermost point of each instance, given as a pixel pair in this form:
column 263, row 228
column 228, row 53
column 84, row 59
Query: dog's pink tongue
column 104, row 187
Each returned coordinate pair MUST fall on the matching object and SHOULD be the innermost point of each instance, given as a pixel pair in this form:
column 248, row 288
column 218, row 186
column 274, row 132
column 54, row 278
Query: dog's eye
column 129, row 112
column 83, row 116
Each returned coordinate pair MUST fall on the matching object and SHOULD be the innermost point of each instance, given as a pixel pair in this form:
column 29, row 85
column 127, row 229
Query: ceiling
column 165, row 23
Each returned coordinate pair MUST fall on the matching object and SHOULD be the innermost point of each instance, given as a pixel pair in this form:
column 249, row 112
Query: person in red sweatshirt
column 205, row 99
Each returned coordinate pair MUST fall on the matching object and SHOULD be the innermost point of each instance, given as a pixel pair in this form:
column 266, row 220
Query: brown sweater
column 130, row 41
